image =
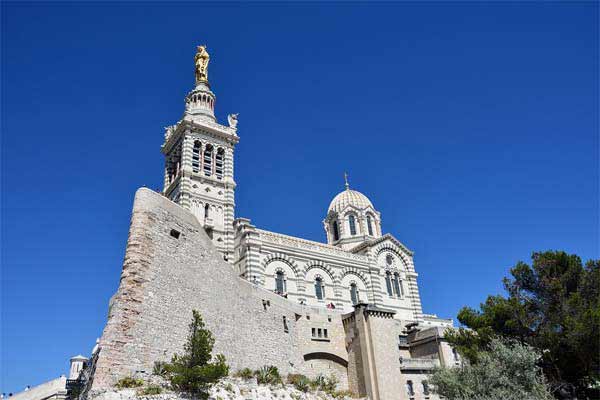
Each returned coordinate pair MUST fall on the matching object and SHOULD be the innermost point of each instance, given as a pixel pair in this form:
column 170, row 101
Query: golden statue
column 201, row 60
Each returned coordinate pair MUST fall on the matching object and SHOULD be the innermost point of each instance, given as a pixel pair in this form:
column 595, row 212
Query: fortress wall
column 164, row 278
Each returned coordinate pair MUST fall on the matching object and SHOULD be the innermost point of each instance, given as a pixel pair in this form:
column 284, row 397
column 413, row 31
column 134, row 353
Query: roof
column 349, row 198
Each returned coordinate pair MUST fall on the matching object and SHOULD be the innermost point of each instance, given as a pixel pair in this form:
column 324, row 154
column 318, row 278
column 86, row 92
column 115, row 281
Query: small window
column 388, row 283
column 279, row 282
column 207, row 211
column 325, row 333
column 314, row 332
column 402, row 340
column 369, row 226
column 353, row 293
column 425, row 388
column 410, row 388
column 196, row 157
column 352, row 223
column 219, row 162
column 389, row 259
column 319, row 333
column 398, row 285
column 319, row 288
column 455, row 355
column 175, row 233
column 336, row 232
column 208, row 156
column 285, row 326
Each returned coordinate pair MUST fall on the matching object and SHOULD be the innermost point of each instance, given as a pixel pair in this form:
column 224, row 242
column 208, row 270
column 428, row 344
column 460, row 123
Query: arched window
column 319, row 288
column 369, row 226
column 410, row 388
column 206, row 211
column 353, row 293
column 208, row 153
column 352, row 223
column 336, row 232
column 196, row 157
column 279, row 282
column 398, row 285
column 455, row 354
column 425, row 388
column 219, row 160
column 388, row 283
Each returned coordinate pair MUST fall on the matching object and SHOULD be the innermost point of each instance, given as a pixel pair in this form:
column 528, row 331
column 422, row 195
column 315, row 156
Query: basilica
column 348, row 308
column 359, row 263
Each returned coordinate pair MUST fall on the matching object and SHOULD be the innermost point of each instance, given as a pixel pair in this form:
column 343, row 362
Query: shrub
column 268, row 375
column 151, row 390
column 299, row 381
column 159, row 368
column 341, row 394
column 325, row 384
column 245, row 373
column 229, row 388
column 193, row 372
column 507, row 371
column 329, row 384
column 129, row 382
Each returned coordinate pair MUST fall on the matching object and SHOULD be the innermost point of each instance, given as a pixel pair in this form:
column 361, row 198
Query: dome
column 349, row 197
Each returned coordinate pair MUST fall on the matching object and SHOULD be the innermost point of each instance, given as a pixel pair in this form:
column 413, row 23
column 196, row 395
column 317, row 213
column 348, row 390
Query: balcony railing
column 418, row 363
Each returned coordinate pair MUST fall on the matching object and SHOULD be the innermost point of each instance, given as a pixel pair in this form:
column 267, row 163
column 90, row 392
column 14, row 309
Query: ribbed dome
column 349, row 197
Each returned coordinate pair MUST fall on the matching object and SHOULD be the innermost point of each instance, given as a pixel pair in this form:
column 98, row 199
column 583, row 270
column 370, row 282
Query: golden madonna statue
column 201, row 60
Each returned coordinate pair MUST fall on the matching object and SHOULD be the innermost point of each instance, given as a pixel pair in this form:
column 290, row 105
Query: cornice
column 387, row 236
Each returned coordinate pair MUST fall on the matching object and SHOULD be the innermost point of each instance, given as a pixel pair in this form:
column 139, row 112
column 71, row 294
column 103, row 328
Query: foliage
column 342, row 394
column 299, row 381
column 193, row 372
column 159, row 368
column 128, row 382
column 552, row 305
column 507, row 371
column 325, row 384
column 245, row 373
column 151, row 390
column 268, row 375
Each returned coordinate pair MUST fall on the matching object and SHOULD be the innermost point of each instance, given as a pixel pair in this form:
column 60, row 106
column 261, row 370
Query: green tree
column 507, row 371
column 193, row 372
column 552, row 305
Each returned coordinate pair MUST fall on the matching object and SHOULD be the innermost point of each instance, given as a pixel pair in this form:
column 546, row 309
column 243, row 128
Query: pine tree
column 193, row 372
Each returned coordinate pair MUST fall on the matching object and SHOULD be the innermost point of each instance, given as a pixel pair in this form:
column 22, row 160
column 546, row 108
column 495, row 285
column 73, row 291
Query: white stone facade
column 350, row 307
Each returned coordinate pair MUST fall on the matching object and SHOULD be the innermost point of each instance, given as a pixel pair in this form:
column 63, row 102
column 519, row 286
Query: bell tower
column 199, row 161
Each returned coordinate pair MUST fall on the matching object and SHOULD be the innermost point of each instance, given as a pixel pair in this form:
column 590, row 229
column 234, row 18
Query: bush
column 128, row 382
column 341, row 394
column 159, row 368
column 193, row 372
column 151, row 390
column 245, row 373
column 299, row 381
column 508, row 371
column 327, row 385
column 268, row 375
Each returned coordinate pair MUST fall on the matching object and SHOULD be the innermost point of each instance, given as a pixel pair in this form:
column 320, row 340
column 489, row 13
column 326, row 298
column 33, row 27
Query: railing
column 418, row 363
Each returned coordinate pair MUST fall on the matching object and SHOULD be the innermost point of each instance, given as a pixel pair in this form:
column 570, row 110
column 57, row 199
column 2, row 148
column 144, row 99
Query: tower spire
column 346, row 181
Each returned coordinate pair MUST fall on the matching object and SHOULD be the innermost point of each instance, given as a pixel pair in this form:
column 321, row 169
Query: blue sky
column 473, row 128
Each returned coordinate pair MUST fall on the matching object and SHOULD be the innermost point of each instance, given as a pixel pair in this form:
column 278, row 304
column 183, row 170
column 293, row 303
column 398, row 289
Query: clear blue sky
column 472, row 127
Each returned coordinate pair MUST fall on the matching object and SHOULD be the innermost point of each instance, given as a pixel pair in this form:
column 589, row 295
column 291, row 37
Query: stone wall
column 164, row 277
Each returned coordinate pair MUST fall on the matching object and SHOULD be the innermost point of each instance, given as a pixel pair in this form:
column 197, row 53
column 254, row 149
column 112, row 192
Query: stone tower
column 199, row 161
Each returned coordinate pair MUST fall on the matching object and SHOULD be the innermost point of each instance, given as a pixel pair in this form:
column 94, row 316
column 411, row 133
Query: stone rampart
column 172, row 267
